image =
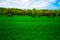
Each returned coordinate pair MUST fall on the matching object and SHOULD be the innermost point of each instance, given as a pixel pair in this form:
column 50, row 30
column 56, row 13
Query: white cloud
column 58, row 2
column 27, row 3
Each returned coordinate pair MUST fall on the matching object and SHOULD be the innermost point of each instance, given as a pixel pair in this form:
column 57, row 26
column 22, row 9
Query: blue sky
column 29, row 4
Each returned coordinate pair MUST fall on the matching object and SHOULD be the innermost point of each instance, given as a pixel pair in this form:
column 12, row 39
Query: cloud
column 15, row 4
column 39, row 4
column 43, row 3
column 58, row 2
column 2, row 1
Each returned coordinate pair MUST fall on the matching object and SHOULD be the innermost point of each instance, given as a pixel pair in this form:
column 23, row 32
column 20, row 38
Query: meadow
column 27, row 24
column 29, row 28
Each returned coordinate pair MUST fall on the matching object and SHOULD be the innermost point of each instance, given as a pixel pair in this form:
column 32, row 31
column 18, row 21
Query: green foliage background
column 30, row 12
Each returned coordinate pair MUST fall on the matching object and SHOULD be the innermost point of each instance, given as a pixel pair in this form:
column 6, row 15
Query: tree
column 33, row 12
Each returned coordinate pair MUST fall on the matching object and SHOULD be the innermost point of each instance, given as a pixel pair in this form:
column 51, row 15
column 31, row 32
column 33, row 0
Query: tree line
column 29, row 12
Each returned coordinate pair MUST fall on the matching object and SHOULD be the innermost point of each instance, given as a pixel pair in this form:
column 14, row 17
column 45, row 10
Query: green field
column 29, row 28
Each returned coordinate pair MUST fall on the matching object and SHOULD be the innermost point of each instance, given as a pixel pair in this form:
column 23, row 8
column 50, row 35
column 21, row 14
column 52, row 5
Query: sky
column 30, row 4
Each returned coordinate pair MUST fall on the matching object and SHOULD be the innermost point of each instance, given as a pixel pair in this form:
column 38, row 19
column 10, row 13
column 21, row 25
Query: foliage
column 34, row 12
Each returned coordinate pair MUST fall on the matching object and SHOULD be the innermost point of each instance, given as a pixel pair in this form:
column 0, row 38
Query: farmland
column 29, row 28
column 18, row 24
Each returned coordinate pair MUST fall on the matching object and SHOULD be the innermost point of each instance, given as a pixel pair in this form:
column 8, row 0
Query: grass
column 29, row 28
